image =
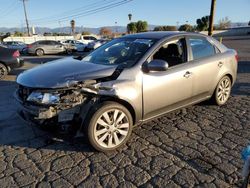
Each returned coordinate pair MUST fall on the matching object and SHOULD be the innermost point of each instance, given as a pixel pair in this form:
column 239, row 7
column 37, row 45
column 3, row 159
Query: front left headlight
column 44, row 98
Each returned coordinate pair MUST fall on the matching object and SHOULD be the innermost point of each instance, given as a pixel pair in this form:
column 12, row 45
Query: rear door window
column 201, row 48
column 44, row 42
column 92, row 38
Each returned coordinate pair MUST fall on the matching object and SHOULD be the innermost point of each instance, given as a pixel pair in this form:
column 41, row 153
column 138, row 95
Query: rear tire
column 24, row 50
column 109, row 127
column 39, row 52
column 69, row 51
column 3, row 71
column 222, row 91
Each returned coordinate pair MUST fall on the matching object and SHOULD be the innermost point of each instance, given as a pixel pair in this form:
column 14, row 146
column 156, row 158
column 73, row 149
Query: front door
column 167, row 90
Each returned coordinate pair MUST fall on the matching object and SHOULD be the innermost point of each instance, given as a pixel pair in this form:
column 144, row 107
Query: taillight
column 16, row 54
column 29, row 46
column 236, row 57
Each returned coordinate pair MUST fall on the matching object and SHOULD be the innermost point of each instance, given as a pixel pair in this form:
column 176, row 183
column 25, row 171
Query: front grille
column 23, row 92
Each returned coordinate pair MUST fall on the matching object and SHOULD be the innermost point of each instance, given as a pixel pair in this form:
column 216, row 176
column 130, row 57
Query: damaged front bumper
column 74, row 102
column 40, row 113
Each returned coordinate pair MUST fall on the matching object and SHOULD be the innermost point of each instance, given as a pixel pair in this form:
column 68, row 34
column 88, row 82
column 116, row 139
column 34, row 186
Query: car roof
column 160, row 34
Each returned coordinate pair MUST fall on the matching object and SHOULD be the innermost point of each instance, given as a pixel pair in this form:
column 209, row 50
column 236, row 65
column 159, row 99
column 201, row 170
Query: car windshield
column 123, row 51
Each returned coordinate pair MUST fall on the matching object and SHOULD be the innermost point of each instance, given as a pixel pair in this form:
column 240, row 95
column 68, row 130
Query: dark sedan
column 9, row 59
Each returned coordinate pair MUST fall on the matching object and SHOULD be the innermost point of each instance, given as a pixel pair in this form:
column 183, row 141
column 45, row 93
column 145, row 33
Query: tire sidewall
column 96, row 112
column 69, row 51
column 218, row 102
column 41, row 50
column 2, row 66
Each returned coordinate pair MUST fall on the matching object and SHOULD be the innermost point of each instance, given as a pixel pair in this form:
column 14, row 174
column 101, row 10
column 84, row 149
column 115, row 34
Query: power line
column 98, row 9
column 9, row 9
column 89, row 12
column 64, row 18
column 92, row 5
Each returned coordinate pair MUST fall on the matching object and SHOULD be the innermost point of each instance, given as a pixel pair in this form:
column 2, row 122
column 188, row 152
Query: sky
column 56, row 13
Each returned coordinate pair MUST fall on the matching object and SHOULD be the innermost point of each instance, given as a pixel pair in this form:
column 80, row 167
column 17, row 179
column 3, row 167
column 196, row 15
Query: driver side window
column 173, row 52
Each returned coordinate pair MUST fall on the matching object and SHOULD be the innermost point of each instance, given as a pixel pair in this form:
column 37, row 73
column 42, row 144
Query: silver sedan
column 128, row 81
column 43, row 47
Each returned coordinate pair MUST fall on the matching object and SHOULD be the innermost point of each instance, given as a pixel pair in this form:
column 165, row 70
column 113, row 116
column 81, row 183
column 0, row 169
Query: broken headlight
column 44, row 98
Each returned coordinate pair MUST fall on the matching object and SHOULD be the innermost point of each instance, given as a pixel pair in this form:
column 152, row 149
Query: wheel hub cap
column 111, row 128
column 224, row 91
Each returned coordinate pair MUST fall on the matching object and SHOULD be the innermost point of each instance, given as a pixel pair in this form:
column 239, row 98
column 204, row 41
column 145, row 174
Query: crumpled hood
column 62, row 73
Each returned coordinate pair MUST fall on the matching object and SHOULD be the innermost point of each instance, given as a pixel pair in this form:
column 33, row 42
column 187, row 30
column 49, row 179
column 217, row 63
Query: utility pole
column 60, row 26
column 26, row 17
column 211, row 18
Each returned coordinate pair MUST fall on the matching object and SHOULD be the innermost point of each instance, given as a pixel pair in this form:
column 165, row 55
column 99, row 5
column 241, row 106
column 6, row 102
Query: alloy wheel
column 39, row 52
column 223, row 90
column 111, row 128
column 3, row 71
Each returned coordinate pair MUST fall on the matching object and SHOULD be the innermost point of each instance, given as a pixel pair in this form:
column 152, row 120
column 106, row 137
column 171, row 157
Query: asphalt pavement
column 195, row 146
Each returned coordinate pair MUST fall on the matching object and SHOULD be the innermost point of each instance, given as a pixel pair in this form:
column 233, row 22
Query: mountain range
column 41, row 30
column 119, row 29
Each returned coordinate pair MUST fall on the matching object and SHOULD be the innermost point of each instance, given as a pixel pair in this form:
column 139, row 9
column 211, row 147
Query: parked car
column 74, row 45
column 86, row 39
column 2, row 45
column 95, row 44
column 126, row 82
column 9, row 59
column 43, row 47
column 16, row 45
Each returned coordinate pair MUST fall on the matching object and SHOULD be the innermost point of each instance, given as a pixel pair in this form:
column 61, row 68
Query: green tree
column 186, row 27
column 18, row 34
column 165, row 28
column 131, row 27
column 106, row 32
column 202, row 23
column 224, row 23
column 4, row 36
column 55, row 34
column 86, row 33
column 141, row 26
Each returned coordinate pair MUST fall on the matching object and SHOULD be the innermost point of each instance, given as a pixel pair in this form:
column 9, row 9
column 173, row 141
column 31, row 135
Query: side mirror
column 155, row 65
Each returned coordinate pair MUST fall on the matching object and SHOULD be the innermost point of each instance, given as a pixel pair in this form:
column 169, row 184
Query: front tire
column 69, row 51
column 39, row 52
column 109, row 127
column 222, row 91
column 3, row 71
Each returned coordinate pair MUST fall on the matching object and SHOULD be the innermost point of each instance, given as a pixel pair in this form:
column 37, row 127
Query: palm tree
column 130, row 17
column 72, row 24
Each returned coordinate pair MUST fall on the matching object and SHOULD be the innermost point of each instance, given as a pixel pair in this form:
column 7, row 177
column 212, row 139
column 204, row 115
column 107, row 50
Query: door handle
column 187, row 74
column 220, row 64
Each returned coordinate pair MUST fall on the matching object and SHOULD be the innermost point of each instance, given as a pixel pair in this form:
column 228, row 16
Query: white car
column 96, row 44
column 74, row 43
column 86, row 39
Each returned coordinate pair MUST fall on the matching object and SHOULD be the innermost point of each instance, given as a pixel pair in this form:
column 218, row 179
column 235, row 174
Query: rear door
column 206, row 63
column 56, row 47
column 45, row 45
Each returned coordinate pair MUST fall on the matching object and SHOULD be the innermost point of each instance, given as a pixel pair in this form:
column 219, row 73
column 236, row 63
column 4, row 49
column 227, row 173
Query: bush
column 165, row 28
